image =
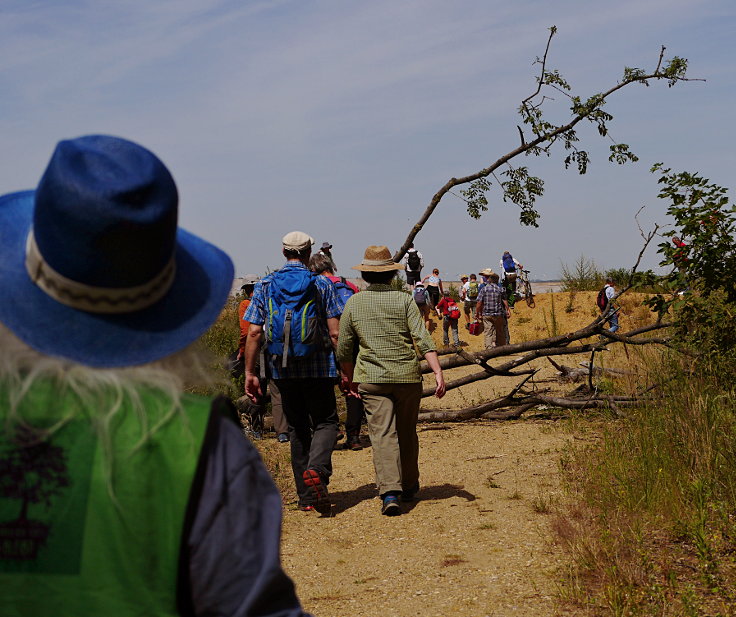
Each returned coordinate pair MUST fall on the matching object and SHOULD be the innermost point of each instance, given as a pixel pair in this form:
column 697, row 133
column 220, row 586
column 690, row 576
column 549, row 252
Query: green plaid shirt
column 385, row 324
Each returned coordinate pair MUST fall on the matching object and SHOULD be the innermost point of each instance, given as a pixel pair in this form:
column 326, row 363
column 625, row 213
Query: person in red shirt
column 450, row 313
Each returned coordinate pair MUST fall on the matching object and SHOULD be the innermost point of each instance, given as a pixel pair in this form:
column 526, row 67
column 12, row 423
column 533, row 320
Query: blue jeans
column 613, row 321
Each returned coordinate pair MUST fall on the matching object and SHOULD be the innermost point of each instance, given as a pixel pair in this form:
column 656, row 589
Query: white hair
column 99, row 394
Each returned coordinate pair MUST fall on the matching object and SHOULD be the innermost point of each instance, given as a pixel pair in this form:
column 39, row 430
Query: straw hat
column 377, row 259
column 486, row 272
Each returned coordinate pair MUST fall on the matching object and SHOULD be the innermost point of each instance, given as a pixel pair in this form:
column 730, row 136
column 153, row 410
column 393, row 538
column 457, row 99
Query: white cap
column 297, row 241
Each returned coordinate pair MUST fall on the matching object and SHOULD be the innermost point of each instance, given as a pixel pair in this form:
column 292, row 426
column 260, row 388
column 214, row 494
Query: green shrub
column 583, row 275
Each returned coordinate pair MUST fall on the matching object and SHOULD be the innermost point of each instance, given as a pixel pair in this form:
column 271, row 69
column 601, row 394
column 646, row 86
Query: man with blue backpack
column 509, row 265
column 297, row 313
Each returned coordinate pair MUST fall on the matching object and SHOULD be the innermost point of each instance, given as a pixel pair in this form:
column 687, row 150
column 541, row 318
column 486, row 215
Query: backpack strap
column 287, row 337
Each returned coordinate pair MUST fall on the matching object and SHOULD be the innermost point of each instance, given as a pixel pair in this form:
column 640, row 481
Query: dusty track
column 478, row 542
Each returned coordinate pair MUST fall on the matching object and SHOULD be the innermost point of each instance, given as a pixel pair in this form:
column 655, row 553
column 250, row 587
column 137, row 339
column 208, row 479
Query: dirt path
column 478, row 542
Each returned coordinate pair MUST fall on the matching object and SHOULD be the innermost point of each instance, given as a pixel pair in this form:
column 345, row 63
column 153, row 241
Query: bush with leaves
column 701, row 286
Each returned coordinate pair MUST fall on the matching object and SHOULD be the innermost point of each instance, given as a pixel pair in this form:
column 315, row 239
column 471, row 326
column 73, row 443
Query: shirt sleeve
column 256, row 311
column 419, row 333
column 333, row 307
column 233, row 544
column 346, row 340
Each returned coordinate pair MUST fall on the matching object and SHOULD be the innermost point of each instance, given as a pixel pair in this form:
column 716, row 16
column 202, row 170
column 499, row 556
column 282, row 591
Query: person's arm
column 506, row 306
column 252, row 349
column 347, row 385
column 440, row 306
column 230, row 561
column 333, row 327
column 434, row 364
column 479, row 306
column 346, row 342
column 440, row 284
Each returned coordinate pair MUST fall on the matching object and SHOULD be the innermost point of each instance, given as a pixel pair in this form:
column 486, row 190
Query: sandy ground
column 478, row 542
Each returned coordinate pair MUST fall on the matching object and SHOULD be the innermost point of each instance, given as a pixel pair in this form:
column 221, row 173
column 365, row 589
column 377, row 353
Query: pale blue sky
column 343, row 118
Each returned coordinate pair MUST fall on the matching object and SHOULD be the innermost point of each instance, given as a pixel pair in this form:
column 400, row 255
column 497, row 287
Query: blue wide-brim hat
column 92, row 265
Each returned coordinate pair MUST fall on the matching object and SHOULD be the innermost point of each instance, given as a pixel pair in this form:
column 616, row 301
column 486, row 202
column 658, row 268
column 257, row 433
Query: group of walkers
column 313, row 330
column 486, row 303
column 122, row 492
column 305, row 329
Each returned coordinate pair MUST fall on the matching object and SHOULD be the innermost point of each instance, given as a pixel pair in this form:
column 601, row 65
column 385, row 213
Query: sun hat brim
column 201, row 286
column 378, row 268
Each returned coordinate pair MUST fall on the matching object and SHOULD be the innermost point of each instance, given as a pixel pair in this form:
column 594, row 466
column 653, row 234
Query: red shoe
column 318, row 494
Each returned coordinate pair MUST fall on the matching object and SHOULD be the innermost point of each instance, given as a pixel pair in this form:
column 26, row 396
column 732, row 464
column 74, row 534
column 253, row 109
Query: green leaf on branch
column 634, row 74
column 621, row 154
column 523, row 190
column 475, row 197
column 581, row 158
column 674, row 70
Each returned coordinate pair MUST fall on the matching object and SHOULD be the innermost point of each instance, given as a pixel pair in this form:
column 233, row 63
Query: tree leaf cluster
column 540, row 134
column 700, row 251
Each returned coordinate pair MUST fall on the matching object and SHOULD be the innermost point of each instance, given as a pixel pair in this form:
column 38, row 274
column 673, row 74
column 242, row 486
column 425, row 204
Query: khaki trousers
column 494, row 330
column 392, row 410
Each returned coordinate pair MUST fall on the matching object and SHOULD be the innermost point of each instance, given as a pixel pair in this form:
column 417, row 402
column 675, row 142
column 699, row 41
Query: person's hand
column 439, row 391
column 347, row 387
column 508, row 314
column 253, row 388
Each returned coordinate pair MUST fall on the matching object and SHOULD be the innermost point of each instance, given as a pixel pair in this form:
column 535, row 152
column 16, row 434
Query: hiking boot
column 353, row 443
column 411, row 493
column 317, row 491
column 283, row 437
column 390, row 505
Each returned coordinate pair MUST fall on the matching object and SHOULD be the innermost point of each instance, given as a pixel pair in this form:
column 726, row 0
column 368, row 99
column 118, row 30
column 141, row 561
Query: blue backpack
column 508, row 263
column 293, row 328
column 343, row 291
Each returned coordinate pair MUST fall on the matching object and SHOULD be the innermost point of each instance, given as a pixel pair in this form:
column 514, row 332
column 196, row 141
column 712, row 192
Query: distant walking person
column 385, row 325
column 605, row 303
column 493, row 309
column 450, row 313
column 302, row 363
column 421, row 298
column 469, row 295
column 344, row 289
column 326, row 250
column 433, row 284
column 509, row 266
column 414, row 262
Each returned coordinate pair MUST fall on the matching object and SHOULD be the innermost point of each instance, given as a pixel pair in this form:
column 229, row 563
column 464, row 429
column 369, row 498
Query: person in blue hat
column 119, row 493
